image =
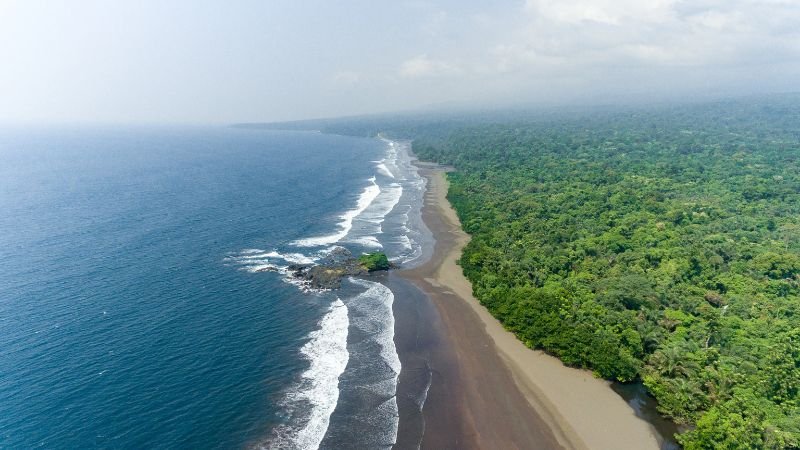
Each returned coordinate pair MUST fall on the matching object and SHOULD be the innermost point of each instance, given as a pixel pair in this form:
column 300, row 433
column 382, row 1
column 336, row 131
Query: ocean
column 145, row 300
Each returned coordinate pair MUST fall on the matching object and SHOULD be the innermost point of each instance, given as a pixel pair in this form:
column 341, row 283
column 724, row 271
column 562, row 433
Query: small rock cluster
column 328, row 274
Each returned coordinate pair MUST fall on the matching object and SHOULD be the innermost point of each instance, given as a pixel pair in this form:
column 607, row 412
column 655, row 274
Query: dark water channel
column 645, row 407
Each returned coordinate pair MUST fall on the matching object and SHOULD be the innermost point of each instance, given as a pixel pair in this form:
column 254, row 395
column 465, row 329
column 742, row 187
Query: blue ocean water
column 144, row 301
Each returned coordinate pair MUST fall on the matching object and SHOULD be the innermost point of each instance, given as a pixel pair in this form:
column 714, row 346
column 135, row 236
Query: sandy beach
column 488, row 389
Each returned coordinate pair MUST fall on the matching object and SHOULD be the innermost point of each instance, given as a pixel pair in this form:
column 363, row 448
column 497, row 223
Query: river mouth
column 645, row 407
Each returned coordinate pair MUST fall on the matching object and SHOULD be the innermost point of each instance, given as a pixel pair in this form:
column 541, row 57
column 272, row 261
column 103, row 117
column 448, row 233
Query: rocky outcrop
column 330, row 271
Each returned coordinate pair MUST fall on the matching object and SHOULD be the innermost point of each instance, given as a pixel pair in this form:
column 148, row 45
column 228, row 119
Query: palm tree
column 674, row 361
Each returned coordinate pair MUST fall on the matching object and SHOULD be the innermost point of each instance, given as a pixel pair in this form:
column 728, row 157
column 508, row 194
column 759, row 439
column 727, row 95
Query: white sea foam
column 376, row 319
column 366, row 198
column 396, row 211
column 317, row 394
column 383, row 170
column 265, row 267
column 374, row 203
column 297, row 258
column 405, row 241
column 393, row 193
column 367, row 241
column 255, row 260
column 362, row 224
column 383, row 204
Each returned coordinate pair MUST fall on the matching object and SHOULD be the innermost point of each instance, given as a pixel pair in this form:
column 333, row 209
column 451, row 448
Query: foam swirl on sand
column 315, row 398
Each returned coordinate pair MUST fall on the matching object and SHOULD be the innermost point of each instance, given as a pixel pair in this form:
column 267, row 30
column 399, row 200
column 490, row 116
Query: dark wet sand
column 429, row 372
column 487, row 389
column 473, row 400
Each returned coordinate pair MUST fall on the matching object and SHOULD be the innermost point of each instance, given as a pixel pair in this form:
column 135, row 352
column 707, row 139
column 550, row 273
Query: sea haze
column 144, row 299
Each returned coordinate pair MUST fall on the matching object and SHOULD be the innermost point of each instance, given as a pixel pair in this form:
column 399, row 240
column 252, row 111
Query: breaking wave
column 315, row 397
column 366, row 198
column 370, row 224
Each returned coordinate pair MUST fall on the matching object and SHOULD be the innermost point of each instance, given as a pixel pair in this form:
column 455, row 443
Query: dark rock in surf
column 330, row 271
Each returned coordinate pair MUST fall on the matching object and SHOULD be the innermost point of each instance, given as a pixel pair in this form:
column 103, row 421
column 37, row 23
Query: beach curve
column 545, row 404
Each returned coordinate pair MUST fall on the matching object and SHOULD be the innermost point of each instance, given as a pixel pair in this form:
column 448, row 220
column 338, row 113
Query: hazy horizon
column 93, row 61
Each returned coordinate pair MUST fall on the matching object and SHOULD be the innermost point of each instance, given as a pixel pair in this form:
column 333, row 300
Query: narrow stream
column 645, row 407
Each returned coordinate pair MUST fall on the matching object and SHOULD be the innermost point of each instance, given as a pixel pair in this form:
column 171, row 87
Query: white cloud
column 423, row 66
column 611, row 12
column 347, row 77
column 721, row 21
column 703, row 33
column 556, row 49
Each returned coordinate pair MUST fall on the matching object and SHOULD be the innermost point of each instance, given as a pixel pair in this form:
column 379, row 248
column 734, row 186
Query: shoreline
column 494, row 392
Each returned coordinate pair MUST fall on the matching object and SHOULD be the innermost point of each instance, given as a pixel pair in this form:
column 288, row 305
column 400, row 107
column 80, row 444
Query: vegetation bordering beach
column 497, row 377
column 657, row 245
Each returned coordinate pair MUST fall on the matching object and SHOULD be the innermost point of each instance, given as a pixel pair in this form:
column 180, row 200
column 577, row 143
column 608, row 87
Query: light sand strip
column 583, row 411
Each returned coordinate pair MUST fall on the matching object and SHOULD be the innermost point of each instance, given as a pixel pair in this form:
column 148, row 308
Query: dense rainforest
column 657, row 243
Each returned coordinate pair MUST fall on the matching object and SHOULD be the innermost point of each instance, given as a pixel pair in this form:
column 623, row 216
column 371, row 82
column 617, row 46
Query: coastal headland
column 488, row 390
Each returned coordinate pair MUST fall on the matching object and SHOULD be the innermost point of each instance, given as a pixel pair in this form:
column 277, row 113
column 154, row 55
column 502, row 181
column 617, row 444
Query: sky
column 196, row 61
